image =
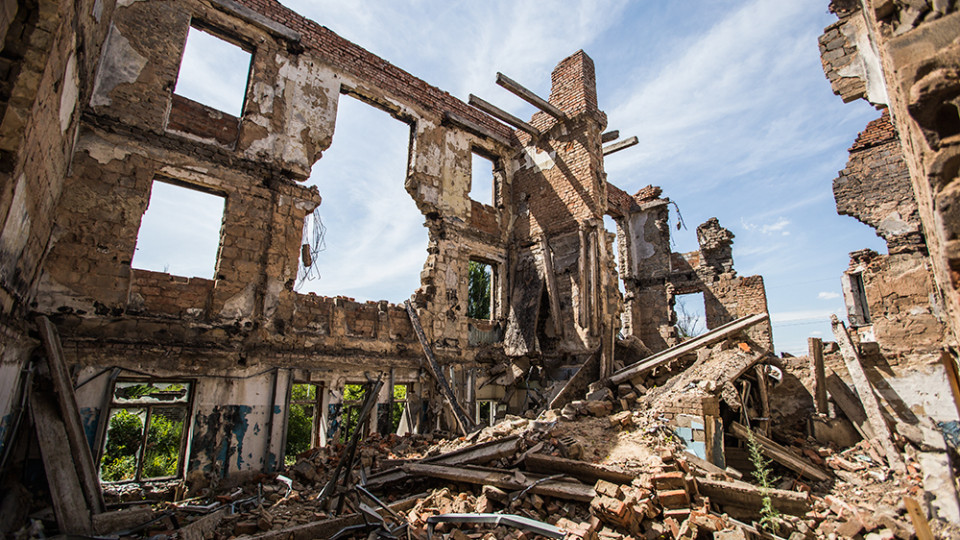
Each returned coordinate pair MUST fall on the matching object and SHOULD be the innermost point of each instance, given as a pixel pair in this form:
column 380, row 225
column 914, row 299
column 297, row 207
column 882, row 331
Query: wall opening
column 145, row 437
column 860, row 313
column 213, row 71
column 482, row 179
column 351, row 405
column 303, row 420
column 180, row 231
column 691, row 315
column 400, row 421
column 480, row 290
column 948, row 120
column 373, row 234
column 486, row 412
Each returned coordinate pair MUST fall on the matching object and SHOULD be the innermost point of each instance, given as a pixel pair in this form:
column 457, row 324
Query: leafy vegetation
column 399, row 398
column 478, row 303
column 125, row 435
column 769, row 516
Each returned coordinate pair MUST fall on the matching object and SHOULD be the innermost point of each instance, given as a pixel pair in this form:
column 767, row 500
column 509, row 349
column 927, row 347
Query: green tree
column 162, row 456
column 478, row 304
column 124, row 434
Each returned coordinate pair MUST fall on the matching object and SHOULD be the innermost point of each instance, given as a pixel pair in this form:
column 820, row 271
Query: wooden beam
column 764, row 424
column 749, row 496
column 474, row 454
column 687, row 347
column 255, row 18
column 76, row 438
column 581, row 470
column 815, row 348
column 504, row 480
column 477, row 129
column 70, row 504
column 709, row 467
column 950, row 366
column 463, row 420
column 502, row 115
column 622, row 145
column 577, row 385
column 920, row 524
column 552, row 289
column 528, row 96
column 871, row 405
column 609, row 136
column 782, row 455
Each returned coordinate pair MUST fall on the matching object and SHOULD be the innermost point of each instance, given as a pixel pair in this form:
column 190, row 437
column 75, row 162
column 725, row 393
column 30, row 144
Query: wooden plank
column 255, row 18
column 871, row 405
column 950, row 366
column 764, row 424
column 622, row 145
column 471, row 455
column 552, row 289
column 581, row 470
column 470, row 125
column 67, row 398
column 747, row 495
column 687, row 347
column 708, row 467
column 69, row 501
column 577, row 385
column 504, row 480
column 609, row 136
column 463, row 421
column 849, row 405
column 782, row 455
column 919, row 519
column 502, row 115
column 815, row 348
column 528, row 96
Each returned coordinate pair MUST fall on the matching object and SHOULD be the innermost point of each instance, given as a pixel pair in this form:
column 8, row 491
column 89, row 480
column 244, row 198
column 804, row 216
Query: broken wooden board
column 819, row 390
column 76, row 439
column 871, row 405
column 581, row 470
column 849, row 405
column 70, row 504
column 463, row 420
column 578, row 384
column 749, row 496
column 919, row 519
column 512, row 481
column 520, row 336
column 470, row 455
column 782, row 455
column 687, row 347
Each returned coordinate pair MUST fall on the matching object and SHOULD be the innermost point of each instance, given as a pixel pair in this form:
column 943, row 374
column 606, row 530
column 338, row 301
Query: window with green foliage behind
column 479, row 288
column 131, row 452
column 303, row 420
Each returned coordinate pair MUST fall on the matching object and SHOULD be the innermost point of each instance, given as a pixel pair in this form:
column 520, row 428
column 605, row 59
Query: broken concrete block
column 600, row 394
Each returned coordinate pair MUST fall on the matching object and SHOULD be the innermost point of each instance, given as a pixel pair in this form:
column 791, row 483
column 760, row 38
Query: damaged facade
column 91, row 123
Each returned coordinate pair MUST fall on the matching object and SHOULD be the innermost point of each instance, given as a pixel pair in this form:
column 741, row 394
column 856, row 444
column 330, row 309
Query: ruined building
column 91, row 123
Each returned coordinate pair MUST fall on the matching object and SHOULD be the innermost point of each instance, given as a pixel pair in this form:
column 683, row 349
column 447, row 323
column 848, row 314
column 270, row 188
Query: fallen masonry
column 539, row 382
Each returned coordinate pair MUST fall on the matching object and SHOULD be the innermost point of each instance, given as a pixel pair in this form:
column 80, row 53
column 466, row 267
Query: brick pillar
column 574, row 85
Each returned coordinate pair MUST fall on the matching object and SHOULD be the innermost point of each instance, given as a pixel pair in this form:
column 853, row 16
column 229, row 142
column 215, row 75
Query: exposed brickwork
column 877, row 132
column 188, row 116
column 837, row 53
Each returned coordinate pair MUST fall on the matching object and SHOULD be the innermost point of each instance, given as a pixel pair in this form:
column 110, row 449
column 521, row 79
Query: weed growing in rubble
column 763, row 474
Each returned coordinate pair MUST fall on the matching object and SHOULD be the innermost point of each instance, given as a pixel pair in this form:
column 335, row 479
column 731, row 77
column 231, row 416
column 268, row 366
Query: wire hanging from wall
column 313, row 243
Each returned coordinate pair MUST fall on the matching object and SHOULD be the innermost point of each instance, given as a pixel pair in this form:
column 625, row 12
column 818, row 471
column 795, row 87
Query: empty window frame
column 482, row 178
column 399, row 414
column 146, row 431
column 180, row 231
column 303, row 420
column 691, row 315
column 480, row 290
column 351, row 407
column 486, row 412
column 213, row 71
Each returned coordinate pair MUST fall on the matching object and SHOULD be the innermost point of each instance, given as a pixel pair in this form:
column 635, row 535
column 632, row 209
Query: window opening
column 691, row 315
column 481, row 179
column 479, row 295
column 373, row 235
column 610, row 225
column 486, row 413
column 353, row 395
column 303, row 421
column 213, row 72
column 399, row 415
column 180, row 231
column 145, row 433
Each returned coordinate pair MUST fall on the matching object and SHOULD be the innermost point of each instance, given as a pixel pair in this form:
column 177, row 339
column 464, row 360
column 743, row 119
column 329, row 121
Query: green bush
column 124, row 434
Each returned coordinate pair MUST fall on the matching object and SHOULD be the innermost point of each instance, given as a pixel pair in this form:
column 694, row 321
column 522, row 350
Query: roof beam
column 618, row 146
column 610, row 136
column 503, row 115
column 529, row 97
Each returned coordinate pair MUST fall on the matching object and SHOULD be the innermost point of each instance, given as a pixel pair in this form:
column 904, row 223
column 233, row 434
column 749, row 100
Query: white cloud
column 828, row 295
column 816, row 333
column 778, row 226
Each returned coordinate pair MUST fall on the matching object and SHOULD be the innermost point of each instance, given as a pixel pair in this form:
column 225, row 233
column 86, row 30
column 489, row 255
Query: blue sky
column 734, row 116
